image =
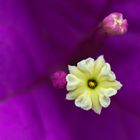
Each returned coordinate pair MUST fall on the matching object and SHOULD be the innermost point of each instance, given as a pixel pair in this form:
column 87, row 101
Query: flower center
column 92, row 84
column 118, row 21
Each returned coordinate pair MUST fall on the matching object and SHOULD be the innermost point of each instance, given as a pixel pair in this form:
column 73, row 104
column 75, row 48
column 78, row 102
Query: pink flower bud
column 114, row 24
column 59, row 79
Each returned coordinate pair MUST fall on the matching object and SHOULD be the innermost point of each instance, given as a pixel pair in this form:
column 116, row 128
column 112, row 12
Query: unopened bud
column 59, row 79
column 114, row 24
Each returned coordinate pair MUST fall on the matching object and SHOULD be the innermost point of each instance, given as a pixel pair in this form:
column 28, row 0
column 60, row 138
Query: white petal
column 71, row 78
column 72, row 83
column 90, row 65
column 89, row 62
column 99, row 63
column 75, row 71
column 105, row 69
column 72, row 95
column 86, row 65
column 82, row 65
column 72, row 86
column 104, row 101
column 109, row 69
column 106, row 73
column 111, row 84
column 108, row 92
column 96, row 106
column 98, row 111
column 108, row 66
column 84, row 102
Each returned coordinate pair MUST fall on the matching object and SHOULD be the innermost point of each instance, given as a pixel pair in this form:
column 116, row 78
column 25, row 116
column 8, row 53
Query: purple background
column 38, row 37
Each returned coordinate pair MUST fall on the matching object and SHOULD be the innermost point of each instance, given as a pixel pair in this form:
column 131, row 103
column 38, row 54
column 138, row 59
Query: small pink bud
column 114, row 24
column 59, row 79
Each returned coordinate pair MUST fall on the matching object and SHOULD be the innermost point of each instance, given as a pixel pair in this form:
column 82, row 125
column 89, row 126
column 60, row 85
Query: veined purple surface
column 40, row 37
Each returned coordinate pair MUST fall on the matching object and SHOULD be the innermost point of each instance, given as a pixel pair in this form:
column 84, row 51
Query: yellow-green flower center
column 118, row 21
column 92, row 84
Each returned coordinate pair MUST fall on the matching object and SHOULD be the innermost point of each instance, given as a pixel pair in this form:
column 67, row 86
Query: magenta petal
column 41, row 36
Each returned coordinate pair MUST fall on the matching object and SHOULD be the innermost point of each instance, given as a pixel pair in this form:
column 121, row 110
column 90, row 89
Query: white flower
column 91, row 84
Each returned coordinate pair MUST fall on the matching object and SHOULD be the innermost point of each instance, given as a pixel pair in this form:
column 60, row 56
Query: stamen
column 92, row 84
